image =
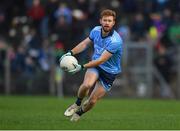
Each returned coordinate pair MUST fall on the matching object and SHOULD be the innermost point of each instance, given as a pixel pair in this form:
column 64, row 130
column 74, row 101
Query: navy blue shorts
column 105, row 78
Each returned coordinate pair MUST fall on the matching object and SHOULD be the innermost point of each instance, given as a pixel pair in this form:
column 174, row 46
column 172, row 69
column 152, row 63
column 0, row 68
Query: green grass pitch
column 44, row 112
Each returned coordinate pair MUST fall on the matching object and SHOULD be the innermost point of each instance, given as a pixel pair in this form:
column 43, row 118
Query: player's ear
column 100, row 21
column 114, row 22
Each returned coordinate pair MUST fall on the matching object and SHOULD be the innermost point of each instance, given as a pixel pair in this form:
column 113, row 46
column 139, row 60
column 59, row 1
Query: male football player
column 102, row 69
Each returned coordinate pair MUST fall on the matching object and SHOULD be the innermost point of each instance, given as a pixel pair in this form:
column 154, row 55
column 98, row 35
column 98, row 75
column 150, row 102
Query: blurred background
column 35, row 33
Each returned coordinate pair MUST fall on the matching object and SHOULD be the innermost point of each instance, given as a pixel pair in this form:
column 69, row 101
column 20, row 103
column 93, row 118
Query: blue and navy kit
column 113, row 44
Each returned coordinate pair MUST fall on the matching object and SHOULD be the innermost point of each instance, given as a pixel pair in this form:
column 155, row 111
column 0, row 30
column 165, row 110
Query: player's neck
column 104, row 34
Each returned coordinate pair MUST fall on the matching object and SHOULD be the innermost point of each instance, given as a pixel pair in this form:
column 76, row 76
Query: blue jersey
column 111, row 43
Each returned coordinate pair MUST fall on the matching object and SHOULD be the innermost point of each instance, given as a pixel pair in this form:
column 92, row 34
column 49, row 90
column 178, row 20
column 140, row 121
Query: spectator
column 138, row 28
column 163, row 60
column 174, row 30
column 64, row 11
column 36, row 13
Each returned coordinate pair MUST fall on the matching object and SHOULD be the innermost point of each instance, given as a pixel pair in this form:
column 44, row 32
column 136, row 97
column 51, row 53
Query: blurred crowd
column 35, row 30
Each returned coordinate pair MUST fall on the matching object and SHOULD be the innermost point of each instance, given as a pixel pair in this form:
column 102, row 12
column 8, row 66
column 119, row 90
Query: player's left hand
column 77, row 69
column 69, row 53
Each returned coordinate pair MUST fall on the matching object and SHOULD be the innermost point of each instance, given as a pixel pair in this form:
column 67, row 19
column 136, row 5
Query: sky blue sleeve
column 91, row 35
column 114, row 47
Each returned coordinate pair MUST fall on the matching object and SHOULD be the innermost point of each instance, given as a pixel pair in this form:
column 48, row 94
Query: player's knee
column 86, row 85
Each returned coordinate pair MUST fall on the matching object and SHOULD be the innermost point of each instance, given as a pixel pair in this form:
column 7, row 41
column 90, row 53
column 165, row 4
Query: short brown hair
column 108, row 12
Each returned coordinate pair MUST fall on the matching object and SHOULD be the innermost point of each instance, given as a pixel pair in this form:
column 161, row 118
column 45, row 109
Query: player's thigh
column 98, row 92
column 90, row 78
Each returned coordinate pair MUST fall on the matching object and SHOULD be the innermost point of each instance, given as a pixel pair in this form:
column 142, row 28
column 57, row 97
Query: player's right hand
column 69, row 53
column 78, row 67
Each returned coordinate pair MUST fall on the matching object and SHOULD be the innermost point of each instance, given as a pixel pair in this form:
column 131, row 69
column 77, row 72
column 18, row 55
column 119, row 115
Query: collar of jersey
column 110, row 33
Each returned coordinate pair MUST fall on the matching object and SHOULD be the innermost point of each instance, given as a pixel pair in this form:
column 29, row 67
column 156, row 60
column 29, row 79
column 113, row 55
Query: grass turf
column 43, row 112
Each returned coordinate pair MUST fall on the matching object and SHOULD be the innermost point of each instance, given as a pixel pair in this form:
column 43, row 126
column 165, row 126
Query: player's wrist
column 82, row 67
column 71, row 52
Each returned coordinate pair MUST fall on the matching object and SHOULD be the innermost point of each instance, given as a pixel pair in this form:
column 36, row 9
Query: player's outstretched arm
column 81, row 46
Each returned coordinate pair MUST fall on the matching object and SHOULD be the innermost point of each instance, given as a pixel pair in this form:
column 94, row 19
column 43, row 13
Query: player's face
column 107, row 23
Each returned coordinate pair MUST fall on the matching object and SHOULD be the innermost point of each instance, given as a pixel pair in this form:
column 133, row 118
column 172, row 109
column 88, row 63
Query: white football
column 67, row 63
